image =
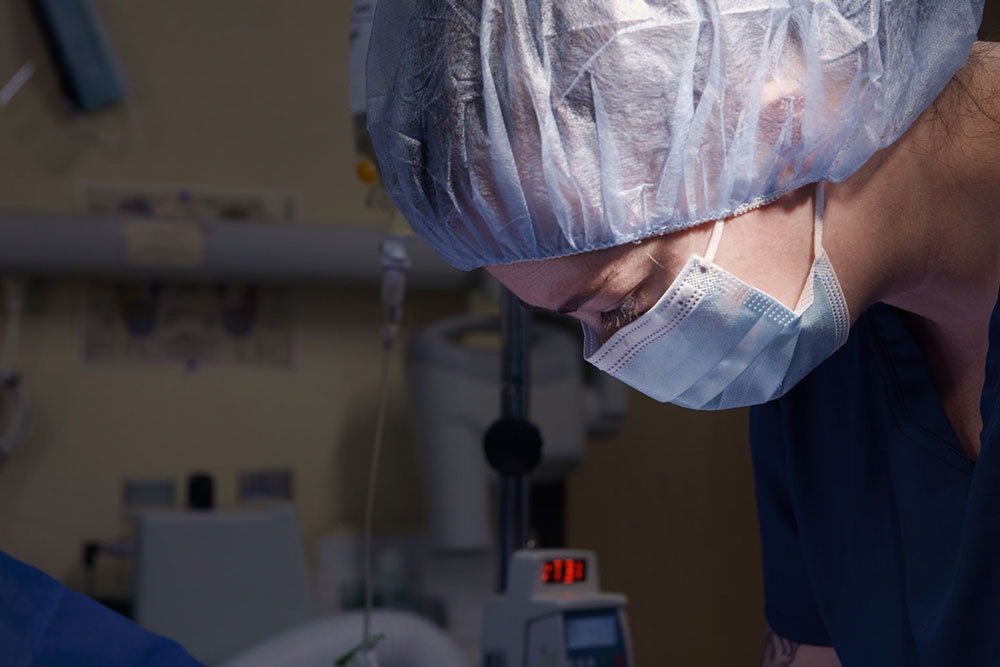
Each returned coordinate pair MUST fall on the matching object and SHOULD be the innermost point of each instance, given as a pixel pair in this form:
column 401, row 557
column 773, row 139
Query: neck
column 925, row 211
column 920, row 232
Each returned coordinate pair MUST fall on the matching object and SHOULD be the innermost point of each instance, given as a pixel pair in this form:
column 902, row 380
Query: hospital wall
column 227, row 94
column 249, row 94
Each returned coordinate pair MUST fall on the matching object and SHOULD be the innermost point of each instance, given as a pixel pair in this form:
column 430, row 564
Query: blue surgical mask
column 713, row 342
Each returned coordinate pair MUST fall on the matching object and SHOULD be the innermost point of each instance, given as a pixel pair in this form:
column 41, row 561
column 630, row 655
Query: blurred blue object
column 42, row 623
column 88, row 68
column 510, row 130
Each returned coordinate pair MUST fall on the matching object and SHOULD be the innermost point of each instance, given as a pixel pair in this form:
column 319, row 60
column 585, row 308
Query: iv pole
column 513, row 444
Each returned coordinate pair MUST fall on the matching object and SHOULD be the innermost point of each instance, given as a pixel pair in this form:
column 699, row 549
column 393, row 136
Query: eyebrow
column 575, row 302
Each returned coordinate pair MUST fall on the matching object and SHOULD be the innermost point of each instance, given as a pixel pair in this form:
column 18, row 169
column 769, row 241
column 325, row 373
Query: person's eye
column 616, row 318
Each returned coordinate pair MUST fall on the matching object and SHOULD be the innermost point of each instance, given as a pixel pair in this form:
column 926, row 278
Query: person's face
column 769, row 248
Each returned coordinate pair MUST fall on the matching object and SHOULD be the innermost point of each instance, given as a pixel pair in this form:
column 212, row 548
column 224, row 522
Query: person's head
column 571, row 145
column 510, row 130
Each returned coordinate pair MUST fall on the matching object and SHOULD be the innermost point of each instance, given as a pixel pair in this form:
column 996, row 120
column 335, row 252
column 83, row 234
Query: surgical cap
column 512, row 130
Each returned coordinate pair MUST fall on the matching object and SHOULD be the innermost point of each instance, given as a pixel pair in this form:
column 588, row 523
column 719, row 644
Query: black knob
column 513, row 446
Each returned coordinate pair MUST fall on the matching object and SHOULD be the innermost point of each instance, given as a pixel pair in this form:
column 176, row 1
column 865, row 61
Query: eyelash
column 627, row 312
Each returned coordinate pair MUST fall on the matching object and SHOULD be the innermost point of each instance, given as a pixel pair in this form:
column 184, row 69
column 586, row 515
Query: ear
column 782, row 103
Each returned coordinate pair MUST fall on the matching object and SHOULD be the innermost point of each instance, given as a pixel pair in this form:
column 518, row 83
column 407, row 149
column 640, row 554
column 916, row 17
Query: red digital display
column 564, row 571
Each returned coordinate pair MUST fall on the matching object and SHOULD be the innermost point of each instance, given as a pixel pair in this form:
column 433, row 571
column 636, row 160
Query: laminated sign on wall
column 191, row 324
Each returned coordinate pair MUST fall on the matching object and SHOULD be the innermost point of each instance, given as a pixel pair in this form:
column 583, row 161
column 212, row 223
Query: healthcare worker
column 791, row 204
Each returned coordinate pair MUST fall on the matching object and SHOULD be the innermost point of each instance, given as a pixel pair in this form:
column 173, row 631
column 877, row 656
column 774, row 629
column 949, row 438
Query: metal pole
column 513, row 521
column 514, row 332
column 513, row 404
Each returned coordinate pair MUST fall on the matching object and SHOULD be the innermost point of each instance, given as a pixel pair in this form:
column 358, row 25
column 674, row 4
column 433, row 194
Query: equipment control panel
column 554, row 614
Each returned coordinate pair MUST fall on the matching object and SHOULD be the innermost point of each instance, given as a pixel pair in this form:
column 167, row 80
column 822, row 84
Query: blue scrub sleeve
column 789, row 602
column 44, row 624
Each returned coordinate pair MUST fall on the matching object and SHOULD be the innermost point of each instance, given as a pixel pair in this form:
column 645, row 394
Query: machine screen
column 583, row 632
column 564, row 571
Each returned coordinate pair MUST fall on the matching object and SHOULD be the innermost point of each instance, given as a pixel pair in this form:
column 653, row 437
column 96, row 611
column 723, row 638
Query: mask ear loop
column 713, row 243
column 806, row 298
column 818, row 223
column 716, row 238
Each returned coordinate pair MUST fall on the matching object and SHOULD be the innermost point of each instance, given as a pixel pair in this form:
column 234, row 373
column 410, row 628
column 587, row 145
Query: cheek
column 672, row 252
column 776, row 262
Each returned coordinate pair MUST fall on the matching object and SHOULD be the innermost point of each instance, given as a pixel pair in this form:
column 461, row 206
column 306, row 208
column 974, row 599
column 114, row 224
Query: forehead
column 548, row 283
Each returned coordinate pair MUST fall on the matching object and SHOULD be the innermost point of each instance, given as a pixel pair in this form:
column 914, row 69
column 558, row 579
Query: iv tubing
column 395, row 264
column 366, row 544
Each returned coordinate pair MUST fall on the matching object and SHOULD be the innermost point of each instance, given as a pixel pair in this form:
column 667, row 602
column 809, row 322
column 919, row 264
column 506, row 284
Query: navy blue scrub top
column 879, row 535
column 44, row 624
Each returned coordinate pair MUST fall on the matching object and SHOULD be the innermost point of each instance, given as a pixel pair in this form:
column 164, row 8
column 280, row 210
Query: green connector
column 363, row 646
